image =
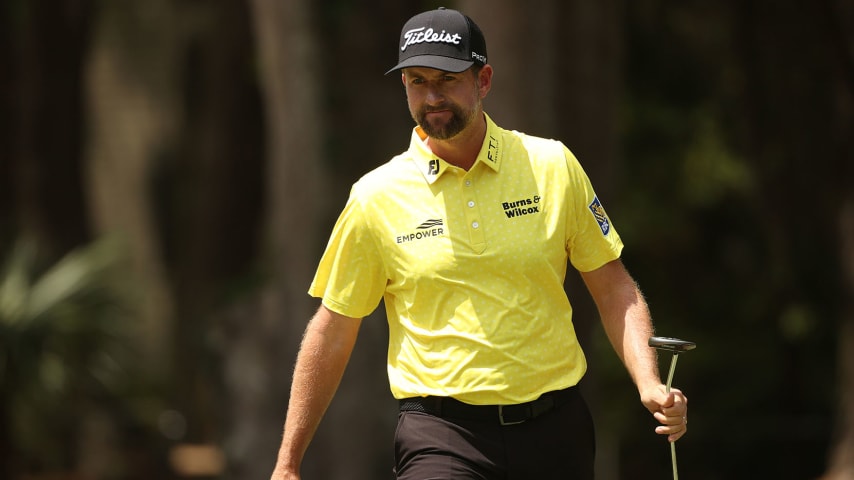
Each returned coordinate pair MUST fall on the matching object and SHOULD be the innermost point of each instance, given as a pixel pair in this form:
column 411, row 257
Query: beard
column 460, row 119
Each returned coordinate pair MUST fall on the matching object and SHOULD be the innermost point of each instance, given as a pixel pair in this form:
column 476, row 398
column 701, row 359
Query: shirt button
column 474, row 225
column 468, row 183
column 471, row 203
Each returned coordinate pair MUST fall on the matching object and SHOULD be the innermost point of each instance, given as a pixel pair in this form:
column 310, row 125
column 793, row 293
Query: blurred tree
column 588, row 61
column 43, row 46
column 134, row 110
column 175, row 166
column 738, row 128
column 210, row 197
column 57, row 360
column 798, row 106
column 837, row 19
column 841, row 462
column 262, row 338
column 841, row 459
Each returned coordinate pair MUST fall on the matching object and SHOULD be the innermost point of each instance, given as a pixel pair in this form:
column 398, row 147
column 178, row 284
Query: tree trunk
column 133, row 111
column 46, row 134
column 589, row 68
column 840, row 25
column 264, row 338
column 841, row 462
column 212, row 193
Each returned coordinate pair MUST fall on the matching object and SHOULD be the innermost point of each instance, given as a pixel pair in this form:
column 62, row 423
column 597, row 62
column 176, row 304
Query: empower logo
column 434, row 227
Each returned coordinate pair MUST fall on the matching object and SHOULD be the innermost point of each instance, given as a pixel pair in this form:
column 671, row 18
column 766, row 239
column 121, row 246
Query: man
column 466, row 236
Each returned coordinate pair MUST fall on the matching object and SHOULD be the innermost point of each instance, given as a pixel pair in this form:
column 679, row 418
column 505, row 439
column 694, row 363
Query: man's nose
column 434, row 96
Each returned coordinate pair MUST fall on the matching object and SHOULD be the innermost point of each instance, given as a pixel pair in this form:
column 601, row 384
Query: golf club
column 675, row 346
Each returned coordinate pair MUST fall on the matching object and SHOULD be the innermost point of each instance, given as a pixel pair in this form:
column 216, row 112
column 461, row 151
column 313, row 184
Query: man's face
column 442, row 103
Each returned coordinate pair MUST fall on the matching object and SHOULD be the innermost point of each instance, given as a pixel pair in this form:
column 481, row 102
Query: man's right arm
column 323, row 356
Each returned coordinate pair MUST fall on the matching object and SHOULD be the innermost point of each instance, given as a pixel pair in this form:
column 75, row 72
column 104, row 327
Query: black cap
column 442, row 39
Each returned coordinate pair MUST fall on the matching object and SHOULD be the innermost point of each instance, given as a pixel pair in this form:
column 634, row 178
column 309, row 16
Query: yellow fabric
column 471, row 266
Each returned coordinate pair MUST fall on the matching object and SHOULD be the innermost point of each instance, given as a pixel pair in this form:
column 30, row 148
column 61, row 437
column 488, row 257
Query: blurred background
column 170, row 171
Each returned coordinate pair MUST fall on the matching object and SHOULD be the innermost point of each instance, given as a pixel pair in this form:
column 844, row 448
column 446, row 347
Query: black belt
column 448, row 407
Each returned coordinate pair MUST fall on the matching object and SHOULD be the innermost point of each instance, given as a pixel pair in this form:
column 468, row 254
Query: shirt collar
column 432, row 167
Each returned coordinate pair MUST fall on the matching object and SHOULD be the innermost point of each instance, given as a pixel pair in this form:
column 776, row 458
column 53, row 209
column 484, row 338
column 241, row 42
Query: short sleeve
column 351, row 276
column 592, row 240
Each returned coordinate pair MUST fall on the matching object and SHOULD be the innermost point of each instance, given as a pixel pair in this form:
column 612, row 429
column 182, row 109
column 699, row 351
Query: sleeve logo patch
column 600, row 216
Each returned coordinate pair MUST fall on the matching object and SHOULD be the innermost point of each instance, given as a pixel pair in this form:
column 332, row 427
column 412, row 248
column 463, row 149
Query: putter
column 675, row 346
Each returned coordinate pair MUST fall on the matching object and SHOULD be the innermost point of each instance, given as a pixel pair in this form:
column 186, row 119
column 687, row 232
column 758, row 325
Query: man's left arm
column 628, row 325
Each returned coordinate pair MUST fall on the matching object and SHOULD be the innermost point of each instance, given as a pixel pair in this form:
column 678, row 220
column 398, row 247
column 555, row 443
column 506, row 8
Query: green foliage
column 62, row 329
column 728, row 208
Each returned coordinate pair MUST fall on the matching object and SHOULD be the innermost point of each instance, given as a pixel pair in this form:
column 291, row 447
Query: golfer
column 467, row 236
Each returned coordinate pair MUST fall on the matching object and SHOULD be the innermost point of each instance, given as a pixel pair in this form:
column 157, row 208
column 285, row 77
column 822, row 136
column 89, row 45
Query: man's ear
column 484, row 80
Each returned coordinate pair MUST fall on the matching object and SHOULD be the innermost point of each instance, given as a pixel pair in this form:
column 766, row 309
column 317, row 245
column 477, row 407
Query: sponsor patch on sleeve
column 599, row 214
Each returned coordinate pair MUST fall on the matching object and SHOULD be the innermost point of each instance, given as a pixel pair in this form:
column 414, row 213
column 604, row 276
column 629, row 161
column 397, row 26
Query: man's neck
column 463, row 149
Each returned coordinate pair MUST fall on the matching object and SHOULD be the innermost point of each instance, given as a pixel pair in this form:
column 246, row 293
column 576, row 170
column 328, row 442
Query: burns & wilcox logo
column 518, row 208
column 434, row 227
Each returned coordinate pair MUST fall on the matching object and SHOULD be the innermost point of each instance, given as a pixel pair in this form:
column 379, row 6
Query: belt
column 448, row 407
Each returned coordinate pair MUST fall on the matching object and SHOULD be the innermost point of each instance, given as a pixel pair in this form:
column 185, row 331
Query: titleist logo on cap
column 422, row 35
column 441, row 39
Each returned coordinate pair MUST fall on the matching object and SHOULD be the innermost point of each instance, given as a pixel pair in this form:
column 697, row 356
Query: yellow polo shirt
column 471, row 266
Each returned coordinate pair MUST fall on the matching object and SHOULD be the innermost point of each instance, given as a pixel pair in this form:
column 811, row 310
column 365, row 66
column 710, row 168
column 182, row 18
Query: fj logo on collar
column 433, row 167
column 600, row 216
